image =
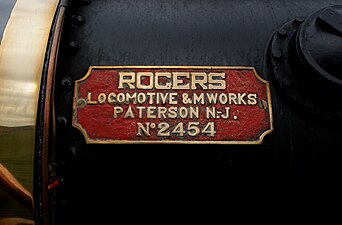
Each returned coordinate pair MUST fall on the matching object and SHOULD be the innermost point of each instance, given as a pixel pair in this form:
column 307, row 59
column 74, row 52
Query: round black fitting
column 305, row 60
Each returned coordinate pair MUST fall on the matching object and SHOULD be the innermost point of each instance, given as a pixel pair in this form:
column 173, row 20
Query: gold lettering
column 210, row 112
column 226, row 115
column 140, row 110
column 252, row 99
column 145, row 75
column 101, row 98
column 215, row 82
column 232, row 98
column 111, row 98
column 172, row 112
column 173, row 99
column 240, row 98
column 127, row 78
column 194, row 112
column 212, row 98
column 89, row 101
column 167, row 85
column 142, row 129
column 151, row 97
column 223, row 99
column 183, row 112
column 199, row 98
column 172, row 80
column 162, row 112
column 129, row 113
column 151, row 112
column 201, row 82
column 178, row 83
column 131, row 98
column 141, row 98
column 163, row 97
column 120, row 98
column 117, row 110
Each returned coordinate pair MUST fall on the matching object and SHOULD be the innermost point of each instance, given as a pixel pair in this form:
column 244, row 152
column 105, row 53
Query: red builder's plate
column 172, row 104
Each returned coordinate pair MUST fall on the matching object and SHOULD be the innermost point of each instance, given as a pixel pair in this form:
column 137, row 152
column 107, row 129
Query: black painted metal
column 305, row 59
column 39, row 159
column 261, row 34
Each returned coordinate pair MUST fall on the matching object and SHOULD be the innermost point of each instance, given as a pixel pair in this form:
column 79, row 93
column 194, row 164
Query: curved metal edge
column 45, row 126
column 303, row 50
column 22, row 53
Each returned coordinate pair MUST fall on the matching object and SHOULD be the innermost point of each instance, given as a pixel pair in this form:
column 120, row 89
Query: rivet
column 77, row 20
column 339, row 113
column 287, row 81
column 282, row 32
column 277, row 53
column 73, row 46
column 73, row 150
column 66, row 82
column 299, row 20
column 81, row 103
column 62, row 120
column 262, row 104
column 310, row 104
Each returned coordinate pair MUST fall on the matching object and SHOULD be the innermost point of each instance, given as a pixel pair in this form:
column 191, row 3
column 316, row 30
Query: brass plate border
column 92, row 141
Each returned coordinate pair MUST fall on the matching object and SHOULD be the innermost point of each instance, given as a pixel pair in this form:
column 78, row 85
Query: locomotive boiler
column 102, row 100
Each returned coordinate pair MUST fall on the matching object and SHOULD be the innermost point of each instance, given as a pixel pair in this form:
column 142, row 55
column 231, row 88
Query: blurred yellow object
column 22, row 53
